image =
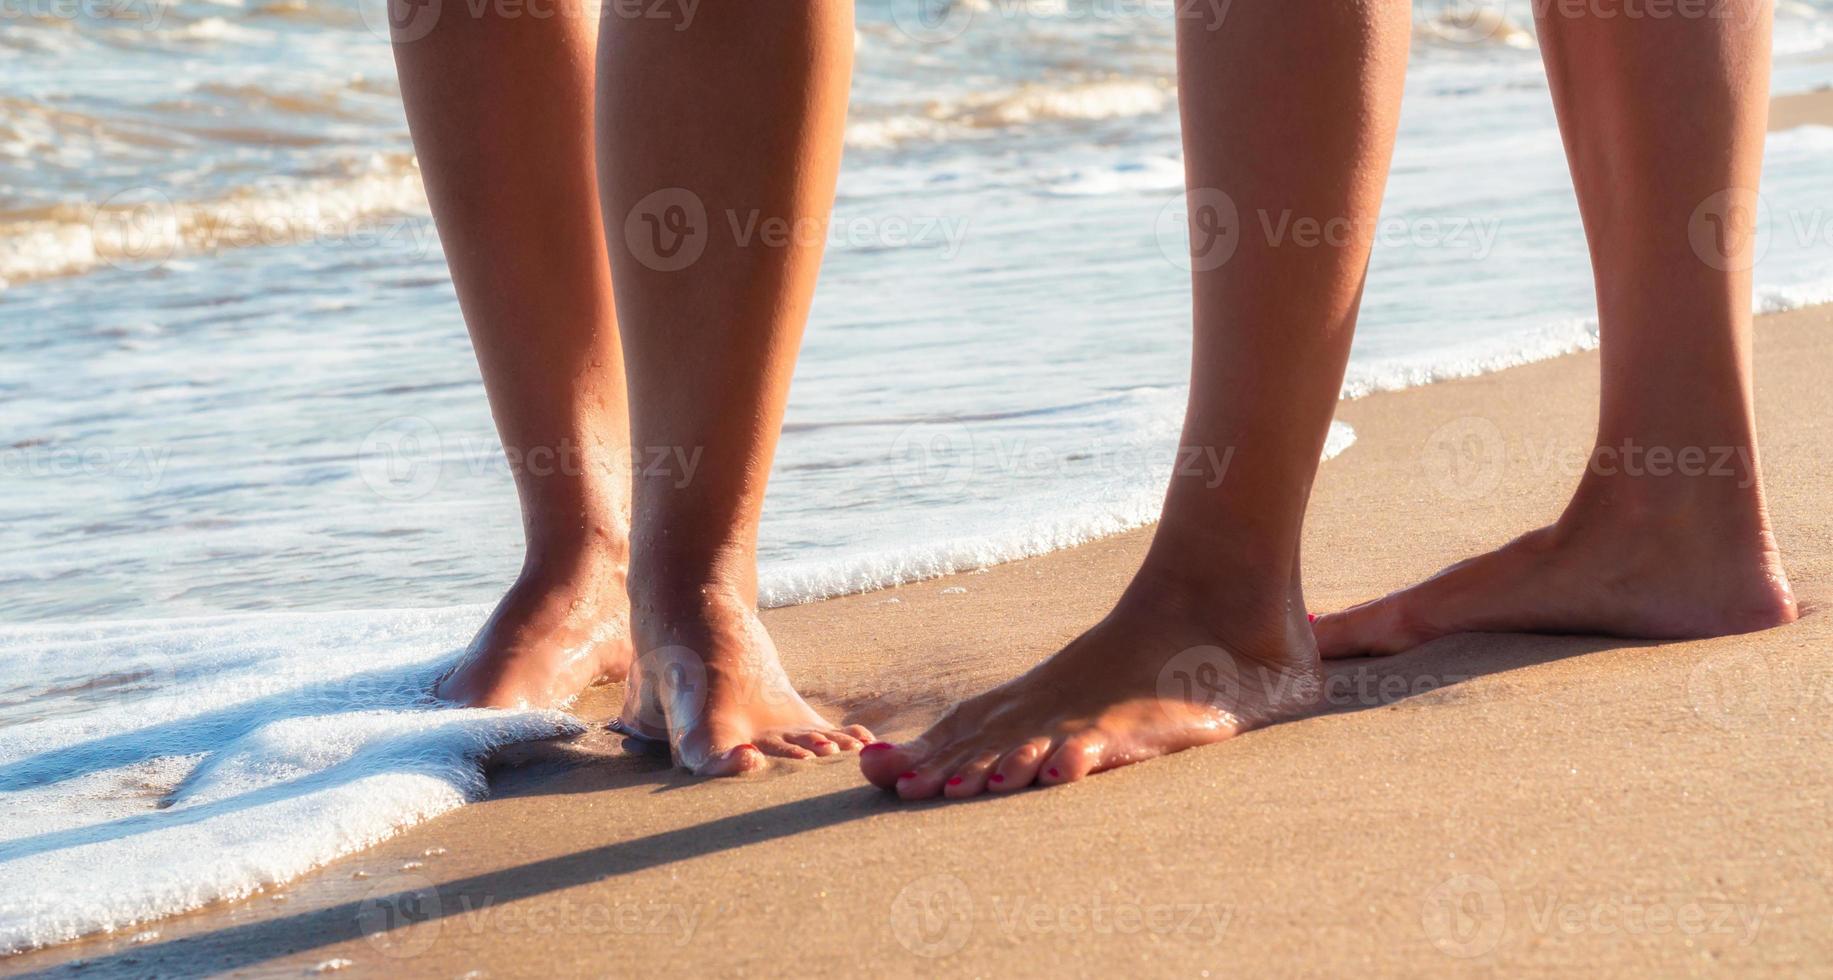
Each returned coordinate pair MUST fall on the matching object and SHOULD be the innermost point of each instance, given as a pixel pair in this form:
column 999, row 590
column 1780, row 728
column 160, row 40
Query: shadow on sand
column 558, row 768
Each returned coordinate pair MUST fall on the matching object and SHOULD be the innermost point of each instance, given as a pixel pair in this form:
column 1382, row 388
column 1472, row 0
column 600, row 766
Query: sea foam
column 166, row 765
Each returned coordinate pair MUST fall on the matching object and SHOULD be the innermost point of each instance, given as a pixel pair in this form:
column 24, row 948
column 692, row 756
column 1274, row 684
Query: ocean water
column 250, row 498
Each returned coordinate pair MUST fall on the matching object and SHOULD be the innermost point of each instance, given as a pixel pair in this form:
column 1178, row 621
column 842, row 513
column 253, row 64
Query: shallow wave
column 144, row 227
column 1122, row 509
column 1465, row 24
column 1029, row 104
column 257, row 747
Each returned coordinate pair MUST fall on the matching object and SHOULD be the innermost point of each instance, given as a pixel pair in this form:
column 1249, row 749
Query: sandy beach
column 1497, row 803
column 1485, row 804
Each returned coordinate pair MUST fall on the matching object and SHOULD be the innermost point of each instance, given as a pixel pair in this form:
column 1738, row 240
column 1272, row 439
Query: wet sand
column 1804, row 109
column 1486, row 804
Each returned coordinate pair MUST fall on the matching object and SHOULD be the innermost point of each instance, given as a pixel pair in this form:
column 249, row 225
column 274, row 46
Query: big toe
column 717, row 750
column 884, row 763
column 735, row 761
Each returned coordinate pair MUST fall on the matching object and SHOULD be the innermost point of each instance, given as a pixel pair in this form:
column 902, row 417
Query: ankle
column 1250, row 611
column 1694, row 494
column 595, row 562
column 675, row 583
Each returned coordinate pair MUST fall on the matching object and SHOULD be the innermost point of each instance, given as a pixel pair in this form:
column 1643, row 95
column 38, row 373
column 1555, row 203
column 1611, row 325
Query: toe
column 735, row 761
column 1018, row 768
column 883, row 763
column 1078, row 756
column 845, row 740
column 782, row 747
column 970, row 779
column 924, row 781
column 814, row 742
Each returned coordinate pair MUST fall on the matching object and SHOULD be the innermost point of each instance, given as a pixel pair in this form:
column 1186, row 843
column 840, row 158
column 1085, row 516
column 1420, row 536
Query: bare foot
column 710, row 685
column 556, row 632
column 1673, row 575
column 1156, row 676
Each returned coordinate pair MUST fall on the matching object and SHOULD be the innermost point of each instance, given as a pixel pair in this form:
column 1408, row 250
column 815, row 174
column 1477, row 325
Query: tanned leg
column 719, row 149
column 1667, row 535
column 1210, row 638
column 501, row 115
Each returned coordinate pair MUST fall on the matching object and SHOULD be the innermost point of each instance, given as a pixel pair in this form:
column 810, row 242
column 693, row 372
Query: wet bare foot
column 1662, row 574
column 561, row 628
column 710, row 685
column 1156, row 676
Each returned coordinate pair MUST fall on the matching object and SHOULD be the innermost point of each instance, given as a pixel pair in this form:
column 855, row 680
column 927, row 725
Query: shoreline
column 1496, row 802
column 1626, row 774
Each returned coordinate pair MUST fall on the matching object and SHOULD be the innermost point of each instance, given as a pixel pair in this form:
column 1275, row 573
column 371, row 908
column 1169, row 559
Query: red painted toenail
column 999, row 777
column 1053, row 774
column 908, row 775
column 1311, row 617
column 954, row 780
column 744, row 745
column 875, row 746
